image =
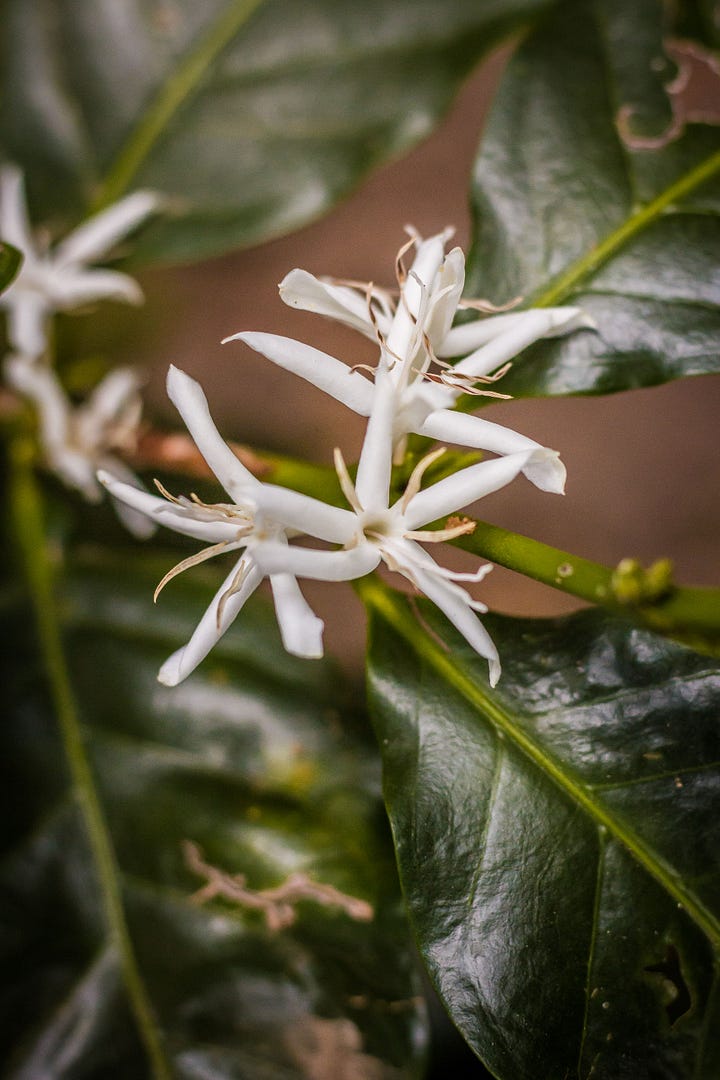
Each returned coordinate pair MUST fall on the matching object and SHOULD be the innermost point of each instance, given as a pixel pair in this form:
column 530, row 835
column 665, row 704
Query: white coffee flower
column 415, row 332
column 258, row 514
column 393, row 532
column 77, row 440
column 63, row 278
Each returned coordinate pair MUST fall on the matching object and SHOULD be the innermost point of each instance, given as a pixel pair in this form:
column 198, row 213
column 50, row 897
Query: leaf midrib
column 176, row 89
column 566, row 282
column 377, row 596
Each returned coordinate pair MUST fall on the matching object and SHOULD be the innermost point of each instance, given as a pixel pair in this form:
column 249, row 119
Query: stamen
column 348, row 488
column 400, row 271
column 166, row 494
column 192, row 560
column 415, row 481
column 363, row 367
column 489, row 308
column 438, row 536
column 233, row 588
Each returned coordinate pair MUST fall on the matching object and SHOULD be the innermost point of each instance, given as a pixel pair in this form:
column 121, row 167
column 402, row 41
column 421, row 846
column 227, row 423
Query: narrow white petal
column 324, row 371
column 207, row 633
column 136, row 522
column 304, row 514
column 375, row 465
column 95, row 237
column 425, row 266
column 302, row 290
column 14, row 223
column 463, row 339
column 463, row 488
column 114, row 401
column 75, row 469
column 27, row 319
column 449, row 282
column 544, row 468
column 455, row 605
column 300, row 627
column 278, row 558
column 164, row 513
column 188, row 398
column 70, row 288
column 537, row 323
column 41, row 385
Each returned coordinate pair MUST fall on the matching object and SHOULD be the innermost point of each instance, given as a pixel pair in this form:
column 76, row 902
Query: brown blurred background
column 643, row 466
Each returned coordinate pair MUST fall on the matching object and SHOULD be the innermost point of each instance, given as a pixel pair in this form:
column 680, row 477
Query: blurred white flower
column 77, row 440
column 415, row 331
column 62, row 279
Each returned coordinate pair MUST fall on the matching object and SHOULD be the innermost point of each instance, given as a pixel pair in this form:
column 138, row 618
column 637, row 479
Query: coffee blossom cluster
column 425, row 363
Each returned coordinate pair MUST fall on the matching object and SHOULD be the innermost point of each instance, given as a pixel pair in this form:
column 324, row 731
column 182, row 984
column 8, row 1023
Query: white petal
column 545, row 469
column 70, row 288
column 207, row 633
column 27, row 318
column 465, row 338
column 302, row 290
column 14, row 223
column 372, row 483
column 114, row 401
column 300, row 627
column 304, row 514
column 425, row 266
column 41, row 385
column 188, row 398
column 137, row 523
column 324, row 371
column 95, row 237
column 449, row 282
column 277, row 558
column 75, row 469
column 164, row 513
column 537, row 323
column 463, row 488
column 454, row 603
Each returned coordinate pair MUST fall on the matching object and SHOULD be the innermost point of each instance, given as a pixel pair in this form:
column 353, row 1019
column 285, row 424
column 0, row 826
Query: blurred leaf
column 10, row 260
column 259, row 759
column 557, row 838
column 252, row 117
column 590, row 189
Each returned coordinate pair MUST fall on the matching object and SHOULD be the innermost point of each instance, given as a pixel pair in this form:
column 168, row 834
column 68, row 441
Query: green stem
column 27, row 517
column 689, row 613
column 171, row 96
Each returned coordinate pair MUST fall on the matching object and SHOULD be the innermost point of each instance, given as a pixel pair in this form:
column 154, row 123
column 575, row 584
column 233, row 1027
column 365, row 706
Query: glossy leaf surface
column 557, row 838
column 252, row 117
column 592, row 189
column 261, row 761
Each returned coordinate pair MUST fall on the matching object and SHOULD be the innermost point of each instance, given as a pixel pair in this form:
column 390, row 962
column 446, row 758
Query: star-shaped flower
column 62, row 278
column 77, row 440
column 258, row 514
column 416, row 331
column 393, row 533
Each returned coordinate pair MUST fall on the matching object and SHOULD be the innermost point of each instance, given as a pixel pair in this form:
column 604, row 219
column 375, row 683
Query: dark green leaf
column 262, row 761
column 10, row 259
column 252, row 117
column 590, row 191
column 557, row 838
